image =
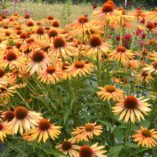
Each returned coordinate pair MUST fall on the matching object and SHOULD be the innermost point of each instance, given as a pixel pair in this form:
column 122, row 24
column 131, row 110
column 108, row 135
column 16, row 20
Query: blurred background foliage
column 120, row 2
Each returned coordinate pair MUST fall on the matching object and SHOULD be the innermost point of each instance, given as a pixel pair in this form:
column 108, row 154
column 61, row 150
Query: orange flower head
column 144, row 74
column 40, row 31
column 120, row 8
column 30, row 40
column 83, row 19
column 2, row 73
column 27, row 16
column 38, row 56
column 21, row 112
column 79, row 65
column 120, row 49
column 146, row 133
column 65, row 66
column 55, row 23
column 95, row 41
column 47, row 28
column 146, row 137
column 130, row 102
column 85, row 151
column 66, row 145
column 18, row 45
column 5, row 27
column 107, row 8
column 8, row 116
column 154, row 64
column 11, row 19
column 9, row 47
column 18, row 27
column 23, row 35
column 89, row 127
column 10, row 56
column 1, row 127
column 150, row 25
column 52, row 33
column 110, row 89
column 7, row 33
column 18, row 32
column 3, row 16
column 111, row 2
column 50, row 69
column 30, row 23
column 59, row 42
column 44, row 124
column 50, row 17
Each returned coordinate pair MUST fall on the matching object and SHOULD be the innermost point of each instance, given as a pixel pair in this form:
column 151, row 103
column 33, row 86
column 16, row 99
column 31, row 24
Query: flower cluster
column 82, row 88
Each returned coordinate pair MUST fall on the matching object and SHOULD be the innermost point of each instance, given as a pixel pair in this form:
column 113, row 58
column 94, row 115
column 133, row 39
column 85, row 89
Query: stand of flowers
column 86, row 90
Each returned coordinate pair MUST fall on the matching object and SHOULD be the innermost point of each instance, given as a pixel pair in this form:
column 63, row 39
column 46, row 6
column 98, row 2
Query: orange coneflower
column 135, row 64
column 97, row 47
column 7, row 90
column 28, row 47
column 39, row 61
column 3, row 77
column 85, row 27
column 52, row 33
column 132, row 108
column 68, row 147
column 8, row 115
column 144, row 77
column 152, row 68
column 28, row 137
column 80, row 68
column 122, row 55
column 23, row 36
column 44, row 130
column 92, row 151
column 12, row 59
column 106, row 9
column 23, row 120
column 64, row 67
column 20, row 73
column 56, row 25
column 62, row 49
column 51, row 75
column 50, row 17
column 139, row 13
column 150, row 25
column 86, row 132
column 4, row 131
column 82, row 23
column 110, row 93
column 146, row 137
column 30, row 23
column 40, row 31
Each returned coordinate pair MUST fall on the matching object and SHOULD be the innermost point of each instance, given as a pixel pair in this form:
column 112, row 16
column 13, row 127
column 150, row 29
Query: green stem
column 128, row 132
column 98, row 70
column 121, row 33
column 23, row 100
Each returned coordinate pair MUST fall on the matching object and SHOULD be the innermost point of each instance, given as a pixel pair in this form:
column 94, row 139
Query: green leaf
column 145, row 123
column 154, row 152
column 108, row 124
column 131, row 145
column 115, row 151
column 66, row 115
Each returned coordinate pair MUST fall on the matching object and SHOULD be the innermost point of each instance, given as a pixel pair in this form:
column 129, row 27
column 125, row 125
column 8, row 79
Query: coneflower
column 24, row 120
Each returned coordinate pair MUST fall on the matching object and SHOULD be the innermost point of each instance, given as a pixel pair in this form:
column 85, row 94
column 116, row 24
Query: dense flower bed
column 86, row 90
